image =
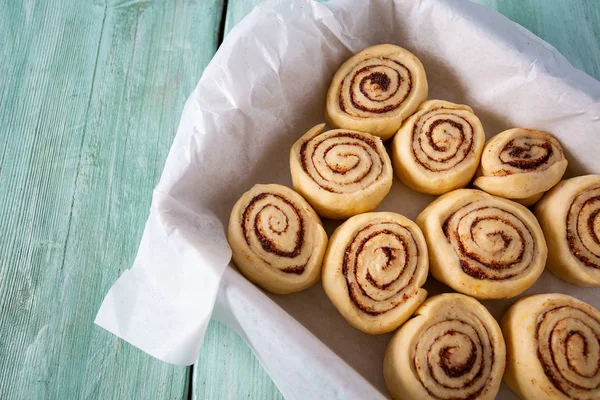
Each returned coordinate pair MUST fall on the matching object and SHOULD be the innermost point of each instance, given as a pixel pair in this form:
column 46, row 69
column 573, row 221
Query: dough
column 452, row 349
column 375, row 90
column 374, row 268
column 438, row 149
column 341, row 172
column 481, row 245
column 521, row 164
column 570, row 218
column 277, row 239
column 552, row 343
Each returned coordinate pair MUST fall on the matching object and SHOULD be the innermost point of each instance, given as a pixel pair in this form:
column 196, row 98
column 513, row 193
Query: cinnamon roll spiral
column 373, row 270
column 452, row 349
column 340, row 172
column 553, row 348
column 521, row 165
column 570, row 218
column 438, row 149
column 375, row 90
column 484, row 246
column 277, row 240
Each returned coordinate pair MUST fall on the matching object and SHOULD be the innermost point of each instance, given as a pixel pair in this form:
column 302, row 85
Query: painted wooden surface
column 90, row 97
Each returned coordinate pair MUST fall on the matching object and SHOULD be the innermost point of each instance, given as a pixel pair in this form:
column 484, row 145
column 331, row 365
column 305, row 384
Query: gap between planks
column 220, row 37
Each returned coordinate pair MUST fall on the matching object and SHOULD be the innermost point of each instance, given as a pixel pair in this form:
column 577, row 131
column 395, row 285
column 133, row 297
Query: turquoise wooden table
column 91, row 93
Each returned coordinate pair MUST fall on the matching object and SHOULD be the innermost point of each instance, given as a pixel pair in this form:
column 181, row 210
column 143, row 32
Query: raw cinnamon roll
column 438, row 149
column 521, row 164
column 374, row 268
column 481, row 245
column 340, row 172
column 277, row 240
column 553, row 348
column 452, row 349
column 376, row 89
column 570, row 218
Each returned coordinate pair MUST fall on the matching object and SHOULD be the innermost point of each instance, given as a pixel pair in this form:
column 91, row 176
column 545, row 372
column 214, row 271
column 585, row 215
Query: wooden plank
column 90, row 98
column 227, row 369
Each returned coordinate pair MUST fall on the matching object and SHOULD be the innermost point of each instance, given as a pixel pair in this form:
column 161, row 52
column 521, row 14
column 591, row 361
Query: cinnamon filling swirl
column 491, row 242
column 441, row 140
column 438, row 148
column 569, row 350
column 454, row 358
column 527, row 153
column 375, row 90
column 276, row 238
column 452, row 349
column 270, row 222
column 483, row 246
column 342, row 162
column 379, row 265
column 374, row 269
column 521, row 164
column 375, row 86
column 583, row 227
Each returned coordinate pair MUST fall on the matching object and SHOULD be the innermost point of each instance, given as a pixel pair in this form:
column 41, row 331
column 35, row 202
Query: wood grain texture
column 572, row 26
column 228, row 370
column 90, row 97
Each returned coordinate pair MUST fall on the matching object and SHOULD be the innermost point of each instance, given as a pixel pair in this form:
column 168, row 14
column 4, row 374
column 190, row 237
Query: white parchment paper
column 264, row 88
